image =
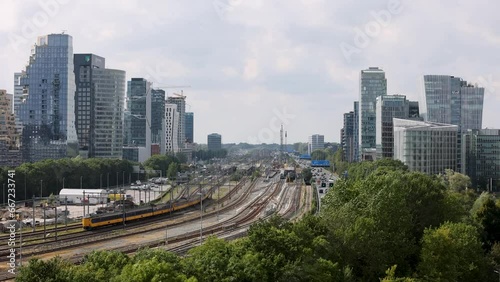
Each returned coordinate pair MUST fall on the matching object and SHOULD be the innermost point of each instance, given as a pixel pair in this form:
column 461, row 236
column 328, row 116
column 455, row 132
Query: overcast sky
column 253, row 64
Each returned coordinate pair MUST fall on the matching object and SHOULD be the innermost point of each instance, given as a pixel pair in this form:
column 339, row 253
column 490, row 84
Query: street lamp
column 81, row 182
column 201, row 216
column 41, row 188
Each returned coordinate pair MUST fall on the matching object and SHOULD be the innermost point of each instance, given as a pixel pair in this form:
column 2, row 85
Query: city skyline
column 290, row 64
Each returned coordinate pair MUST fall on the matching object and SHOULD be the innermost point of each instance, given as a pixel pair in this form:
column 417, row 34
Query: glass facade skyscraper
column 372, row 84
column 157, row 115
column 347, row 137
column 389, row 107
column 449, row 99
column 99, row 103
column 481, row 157
column 47, row 107
column 189, row 127
column 138, row 114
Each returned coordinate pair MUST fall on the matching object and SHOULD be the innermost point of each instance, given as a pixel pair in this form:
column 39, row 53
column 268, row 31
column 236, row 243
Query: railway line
column 232, row 226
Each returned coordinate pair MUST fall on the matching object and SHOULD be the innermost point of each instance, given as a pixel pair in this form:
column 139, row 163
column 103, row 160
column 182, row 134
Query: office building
column 214, row 141
column 189, row 119
column 481, row 158
column 372, row 85
column 347, row 133
column 144, row 117
column 99, row 107
column 451, row 100
column 18, row 95
column 157, row 116
column 138, row 113
column 180, row 101
column 316, row 142
column 427, row 147
column 356, row 132
column 171, row 129
column 389, row 107
column 8, row 133
column 47, row 107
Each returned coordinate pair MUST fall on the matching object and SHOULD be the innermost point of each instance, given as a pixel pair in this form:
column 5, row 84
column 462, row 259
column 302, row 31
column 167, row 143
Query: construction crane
column 172, row 86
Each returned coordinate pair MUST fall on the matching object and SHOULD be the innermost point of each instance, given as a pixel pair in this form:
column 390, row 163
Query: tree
column 104, row 265
column 160, row 162
column 452, row 252
column 377, row 221
column 54, row 270
column 173, row 168
column 488, row 216
column 456, row 181
column 318, row 155
column 307, row 175
column 182, row 157
column 209, row 262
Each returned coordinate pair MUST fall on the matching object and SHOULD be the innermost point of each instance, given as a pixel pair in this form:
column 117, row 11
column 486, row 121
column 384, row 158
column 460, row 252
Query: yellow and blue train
column 113, row 218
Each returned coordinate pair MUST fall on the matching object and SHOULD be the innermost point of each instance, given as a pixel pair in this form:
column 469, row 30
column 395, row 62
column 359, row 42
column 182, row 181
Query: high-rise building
column 171, row 127
column 389, row 107
column 316, row 142
column 138, row 113
column 451, row 100
column 157, row 116
column 85, row 95
column 356, row 132
column 96, row 106
column 99, row 106
column 189, row 127
column 8, row 133
column 214, row 141
column 428, row 147
column 47, row 107
column 180, row 101
column 18, row 96
column 372, row 84
column 9, row 138
column 347, row 133
column 481, row 157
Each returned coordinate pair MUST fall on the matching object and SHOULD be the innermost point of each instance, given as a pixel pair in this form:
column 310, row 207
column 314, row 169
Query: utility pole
column 66, row 212
column 33, row 224
column 83, row 203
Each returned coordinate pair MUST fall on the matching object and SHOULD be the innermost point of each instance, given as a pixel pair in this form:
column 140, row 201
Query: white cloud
column 254, row 56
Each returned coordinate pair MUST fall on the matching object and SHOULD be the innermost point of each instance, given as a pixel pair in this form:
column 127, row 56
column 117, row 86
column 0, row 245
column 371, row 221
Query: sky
column 252, row 64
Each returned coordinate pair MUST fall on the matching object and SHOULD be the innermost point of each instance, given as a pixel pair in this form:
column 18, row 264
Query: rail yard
column 184, row 221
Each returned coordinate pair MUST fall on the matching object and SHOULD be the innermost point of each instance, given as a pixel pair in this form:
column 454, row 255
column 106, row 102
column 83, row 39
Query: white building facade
column 171, row 129
column 427, row 147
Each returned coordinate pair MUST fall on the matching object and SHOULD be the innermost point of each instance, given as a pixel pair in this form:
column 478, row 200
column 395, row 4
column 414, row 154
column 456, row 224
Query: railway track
column 188, row 240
